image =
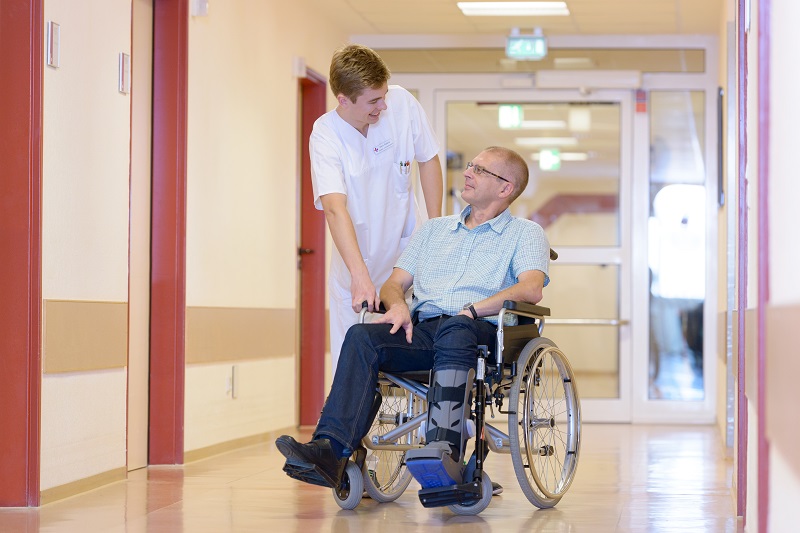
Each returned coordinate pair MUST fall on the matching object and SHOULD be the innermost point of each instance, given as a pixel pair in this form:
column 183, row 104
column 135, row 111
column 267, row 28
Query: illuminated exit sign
column 550, row 159
column 526, row 47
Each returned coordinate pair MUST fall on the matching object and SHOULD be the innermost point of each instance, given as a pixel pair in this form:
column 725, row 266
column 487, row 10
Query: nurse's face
column 367, row 108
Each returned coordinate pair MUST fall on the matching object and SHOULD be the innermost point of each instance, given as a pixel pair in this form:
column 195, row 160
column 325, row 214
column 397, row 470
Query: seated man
column 462, row 267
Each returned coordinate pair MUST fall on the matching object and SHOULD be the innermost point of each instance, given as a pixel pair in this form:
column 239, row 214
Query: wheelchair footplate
column 465, row 494
column 305, row 472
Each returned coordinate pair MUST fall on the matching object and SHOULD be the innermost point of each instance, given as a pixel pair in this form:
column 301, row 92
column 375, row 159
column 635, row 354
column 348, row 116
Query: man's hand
column 363, row 290
column 398, row 316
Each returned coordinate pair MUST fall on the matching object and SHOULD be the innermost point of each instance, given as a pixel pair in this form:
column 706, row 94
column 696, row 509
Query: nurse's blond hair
column 355, row 68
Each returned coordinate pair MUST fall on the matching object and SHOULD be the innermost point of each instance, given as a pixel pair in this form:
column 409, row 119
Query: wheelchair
column 527, row 371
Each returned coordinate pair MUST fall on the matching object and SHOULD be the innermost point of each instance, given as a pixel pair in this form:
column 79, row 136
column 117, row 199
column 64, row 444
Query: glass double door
column 618, row 183
column 580, row 152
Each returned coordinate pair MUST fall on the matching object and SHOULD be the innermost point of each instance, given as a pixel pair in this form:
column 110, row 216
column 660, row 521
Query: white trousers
column 342, row 317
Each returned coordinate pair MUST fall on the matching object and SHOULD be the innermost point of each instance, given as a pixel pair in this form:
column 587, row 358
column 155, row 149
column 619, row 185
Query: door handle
column 587, row 322
column 304, row 251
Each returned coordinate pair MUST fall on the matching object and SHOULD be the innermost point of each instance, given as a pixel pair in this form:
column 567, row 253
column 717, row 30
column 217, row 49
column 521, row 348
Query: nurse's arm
column 344, row 237
column 430, row 177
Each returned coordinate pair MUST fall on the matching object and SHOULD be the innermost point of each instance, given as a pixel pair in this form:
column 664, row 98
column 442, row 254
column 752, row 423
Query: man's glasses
column 478, row 170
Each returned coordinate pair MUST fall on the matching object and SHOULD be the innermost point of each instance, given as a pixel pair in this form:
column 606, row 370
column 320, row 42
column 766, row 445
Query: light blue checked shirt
column 453, row 265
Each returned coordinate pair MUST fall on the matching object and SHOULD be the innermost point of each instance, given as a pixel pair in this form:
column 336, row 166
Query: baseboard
column 227, row 446
column 82, row 485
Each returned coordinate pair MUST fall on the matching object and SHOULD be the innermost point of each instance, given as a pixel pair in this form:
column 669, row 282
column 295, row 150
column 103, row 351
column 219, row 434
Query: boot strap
column 437, row 394
column 444, row 434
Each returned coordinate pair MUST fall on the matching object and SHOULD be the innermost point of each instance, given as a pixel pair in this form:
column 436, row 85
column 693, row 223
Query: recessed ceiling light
column 567, row 63
column 543, row 125
column 513, row 9
column 566, row 156
column 546, row 141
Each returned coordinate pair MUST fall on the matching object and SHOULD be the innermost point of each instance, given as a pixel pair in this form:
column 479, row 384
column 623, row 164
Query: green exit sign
column 527, row 47
column 550, row 159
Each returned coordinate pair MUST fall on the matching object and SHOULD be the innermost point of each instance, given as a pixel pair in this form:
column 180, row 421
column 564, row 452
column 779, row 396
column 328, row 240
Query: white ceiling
column 587, row 17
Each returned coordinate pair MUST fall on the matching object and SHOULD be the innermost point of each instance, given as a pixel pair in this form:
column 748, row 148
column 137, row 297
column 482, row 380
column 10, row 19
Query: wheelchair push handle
column 365, row 309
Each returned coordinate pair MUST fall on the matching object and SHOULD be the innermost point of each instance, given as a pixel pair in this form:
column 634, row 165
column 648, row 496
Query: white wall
column 83, row 425
column 243, row 188
column 784, row 215
column 213, row 413
column 86, row 154
column 243, row 156
column 86, row 140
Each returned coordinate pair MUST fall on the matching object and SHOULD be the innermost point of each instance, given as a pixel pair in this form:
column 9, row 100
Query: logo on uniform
column 382, row 146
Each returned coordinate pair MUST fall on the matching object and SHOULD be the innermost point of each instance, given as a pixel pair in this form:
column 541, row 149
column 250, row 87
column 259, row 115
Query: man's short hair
column 355, row 68
column 517, row 168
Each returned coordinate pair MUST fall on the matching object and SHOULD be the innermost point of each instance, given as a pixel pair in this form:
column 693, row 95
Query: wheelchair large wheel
column 385, row 474
column 480, row 505
column 348, row 494
column 545, row 423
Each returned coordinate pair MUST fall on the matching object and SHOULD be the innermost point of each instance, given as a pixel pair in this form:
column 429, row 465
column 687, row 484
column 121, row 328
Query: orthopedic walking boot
column 439, row 463
column 314, row 462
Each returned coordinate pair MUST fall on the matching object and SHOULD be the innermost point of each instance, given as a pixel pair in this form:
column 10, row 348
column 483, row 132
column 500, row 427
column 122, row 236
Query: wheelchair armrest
column 526, row 308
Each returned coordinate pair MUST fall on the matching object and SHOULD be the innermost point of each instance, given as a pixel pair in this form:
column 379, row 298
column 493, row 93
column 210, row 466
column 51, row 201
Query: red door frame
column 313, row 90
column 21, row 64
column 762, row 265
column 741, row 281
column 168, row 253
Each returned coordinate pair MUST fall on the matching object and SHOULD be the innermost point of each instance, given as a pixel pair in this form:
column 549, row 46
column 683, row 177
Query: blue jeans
column 439, row 343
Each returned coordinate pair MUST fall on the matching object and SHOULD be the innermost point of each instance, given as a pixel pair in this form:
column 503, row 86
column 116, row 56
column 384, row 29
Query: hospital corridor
column 177, row 275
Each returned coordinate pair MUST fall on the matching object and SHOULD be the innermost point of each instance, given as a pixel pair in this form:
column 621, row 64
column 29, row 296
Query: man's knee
column 357, row 333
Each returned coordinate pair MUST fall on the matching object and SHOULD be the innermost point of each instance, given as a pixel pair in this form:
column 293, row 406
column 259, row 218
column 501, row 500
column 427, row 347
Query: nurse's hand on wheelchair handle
column 362, row 289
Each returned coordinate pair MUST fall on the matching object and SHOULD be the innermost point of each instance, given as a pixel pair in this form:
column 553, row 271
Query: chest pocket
column 392, row 158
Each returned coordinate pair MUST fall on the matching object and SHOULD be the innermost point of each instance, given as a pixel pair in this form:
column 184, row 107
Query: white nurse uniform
column 374, row 172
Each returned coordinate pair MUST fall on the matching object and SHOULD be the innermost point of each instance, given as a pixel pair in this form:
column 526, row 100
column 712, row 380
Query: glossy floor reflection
column 630, row 478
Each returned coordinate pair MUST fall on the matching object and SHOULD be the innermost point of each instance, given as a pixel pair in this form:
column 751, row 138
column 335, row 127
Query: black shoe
column 313, row 462
column 497, row 488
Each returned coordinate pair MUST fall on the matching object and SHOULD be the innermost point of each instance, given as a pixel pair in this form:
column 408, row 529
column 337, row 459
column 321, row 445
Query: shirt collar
column 497, row 224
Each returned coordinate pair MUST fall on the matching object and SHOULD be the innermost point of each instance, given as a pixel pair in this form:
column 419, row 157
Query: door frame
column 21, row 62
column 168, row 215
column 311, row 279
column 676, row 411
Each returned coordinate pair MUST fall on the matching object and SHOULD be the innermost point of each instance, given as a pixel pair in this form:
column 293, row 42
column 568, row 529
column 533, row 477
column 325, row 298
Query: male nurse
column 361, row 164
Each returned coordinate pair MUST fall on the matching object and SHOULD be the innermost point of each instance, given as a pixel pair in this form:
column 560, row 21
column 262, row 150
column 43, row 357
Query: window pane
column 576, row 201
column 586, row 291
column 676, row 245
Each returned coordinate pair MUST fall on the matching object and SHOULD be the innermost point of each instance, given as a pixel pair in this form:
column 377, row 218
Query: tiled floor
column 630, row 478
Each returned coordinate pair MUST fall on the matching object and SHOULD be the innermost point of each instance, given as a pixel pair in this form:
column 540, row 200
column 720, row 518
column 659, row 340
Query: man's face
column 367, row 107
column 482, row 188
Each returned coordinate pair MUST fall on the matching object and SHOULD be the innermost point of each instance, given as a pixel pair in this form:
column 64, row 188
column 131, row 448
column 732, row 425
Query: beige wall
column 85, row 240
column 242, row 205
column 783, row 338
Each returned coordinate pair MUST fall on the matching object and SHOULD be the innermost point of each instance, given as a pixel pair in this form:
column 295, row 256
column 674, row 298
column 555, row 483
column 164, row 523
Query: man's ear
column 507, row 190
column 343, row 100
